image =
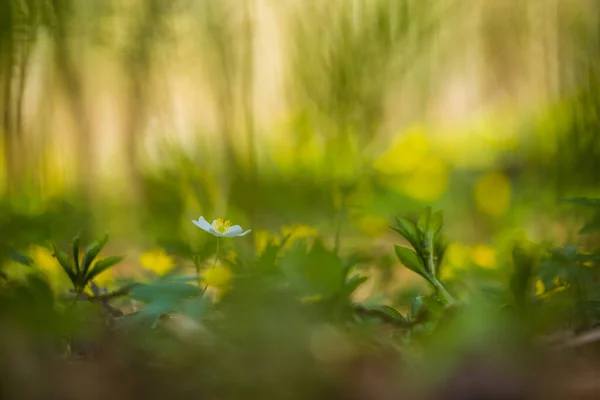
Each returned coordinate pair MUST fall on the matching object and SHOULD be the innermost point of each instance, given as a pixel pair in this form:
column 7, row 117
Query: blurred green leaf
column 91, row 253
column 75, row 246
column 63, row 260
column 21, row 258
column 165, row 291
column 102, row 266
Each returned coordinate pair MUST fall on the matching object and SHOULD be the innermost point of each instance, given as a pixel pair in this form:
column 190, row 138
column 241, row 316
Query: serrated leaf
column 102, row 266
column 411, row 261
column 63, row 260
column 91, row 253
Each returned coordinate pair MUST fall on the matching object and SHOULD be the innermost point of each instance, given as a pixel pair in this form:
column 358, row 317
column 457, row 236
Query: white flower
column 220, row 228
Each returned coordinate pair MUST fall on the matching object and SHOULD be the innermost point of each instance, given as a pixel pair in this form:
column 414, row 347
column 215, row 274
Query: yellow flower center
column 221, row 226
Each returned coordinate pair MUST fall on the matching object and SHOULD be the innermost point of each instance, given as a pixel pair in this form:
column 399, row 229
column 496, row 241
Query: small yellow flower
column 157, row 261
column 373, row 225
column 218, row 277
column 484, row 256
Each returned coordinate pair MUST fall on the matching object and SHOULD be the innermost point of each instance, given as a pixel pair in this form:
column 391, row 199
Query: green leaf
column 63, row 260
column 21, row 258
column 389, row 312
column 91, row 253
column 75, row 247
column 102, row 266
column 353, row 283
column 436, row 222
column 408, row 230
column 411, row 261
column 196, row 307
column 424, row 220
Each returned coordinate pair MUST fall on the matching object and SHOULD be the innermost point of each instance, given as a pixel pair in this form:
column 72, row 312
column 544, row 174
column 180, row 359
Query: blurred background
column 307, row 116
column 303, row 119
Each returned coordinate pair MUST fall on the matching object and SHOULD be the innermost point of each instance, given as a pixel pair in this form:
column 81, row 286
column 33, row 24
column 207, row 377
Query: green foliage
column 429, row 248
column 82, row 274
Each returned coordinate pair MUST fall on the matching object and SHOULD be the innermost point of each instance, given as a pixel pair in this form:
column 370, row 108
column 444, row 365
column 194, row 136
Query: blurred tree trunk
column 71, row 80
column 248, row 105
column 138, row 66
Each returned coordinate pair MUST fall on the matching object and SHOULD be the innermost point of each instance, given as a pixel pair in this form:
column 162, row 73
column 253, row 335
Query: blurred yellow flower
column 44, row 259
column 429, row 180
column 218, row 277
column 407, row 153
column 372, row 225
column 492, row 193
column 298, row 231
column 262, row 238
column 484, row 256
column 457, row 257
column 157, row 261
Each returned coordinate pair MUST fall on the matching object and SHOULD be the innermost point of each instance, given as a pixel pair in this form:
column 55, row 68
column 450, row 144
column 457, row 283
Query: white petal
column 233, row 231
column 245, row 233
column 203, row 224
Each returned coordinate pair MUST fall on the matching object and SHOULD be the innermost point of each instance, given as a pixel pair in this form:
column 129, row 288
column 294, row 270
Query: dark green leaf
column 91, row 253
column 21, row 258
column 102, row 266
column 75, row 247
column 63, row 260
